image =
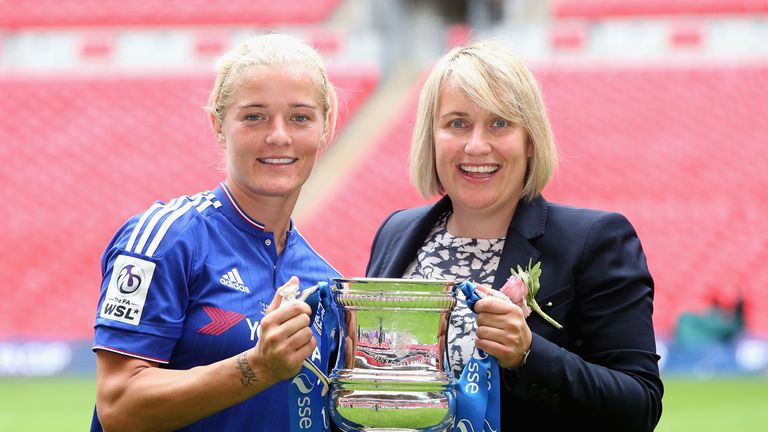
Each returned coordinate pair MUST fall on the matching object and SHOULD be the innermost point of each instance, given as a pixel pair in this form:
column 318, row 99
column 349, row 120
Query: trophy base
column 397, row 430
column 392, row 401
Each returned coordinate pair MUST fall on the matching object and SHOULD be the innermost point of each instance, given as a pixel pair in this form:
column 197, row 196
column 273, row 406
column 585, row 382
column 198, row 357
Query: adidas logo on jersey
column 233, row 280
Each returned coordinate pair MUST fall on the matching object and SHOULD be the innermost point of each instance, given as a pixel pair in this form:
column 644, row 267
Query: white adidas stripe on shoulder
column 140, row 225
column 210, row 200
column 168, row 221
column 143, row 232
column 159, row 214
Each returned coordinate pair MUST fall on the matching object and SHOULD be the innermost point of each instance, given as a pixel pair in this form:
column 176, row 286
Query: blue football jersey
column 187, row 282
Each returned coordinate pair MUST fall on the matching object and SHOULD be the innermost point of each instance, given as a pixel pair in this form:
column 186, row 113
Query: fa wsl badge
column 127, row 290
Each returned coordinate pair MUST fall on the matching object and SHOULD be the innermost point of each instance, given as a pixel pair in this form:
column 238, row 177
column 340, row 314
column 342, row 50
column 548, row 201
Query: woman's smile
column 478, row 171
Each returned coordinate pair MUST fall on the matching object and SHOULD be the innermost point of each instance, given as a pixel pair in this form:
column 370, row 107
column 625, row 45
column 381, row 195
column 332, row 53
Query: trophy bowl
column 390, row 368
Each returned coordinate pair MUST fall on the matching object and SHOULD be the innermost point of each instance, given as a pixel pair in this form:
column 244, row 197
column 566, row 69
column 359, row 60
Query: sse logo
column 305, row 386
column 129, row 279
column 464, row 425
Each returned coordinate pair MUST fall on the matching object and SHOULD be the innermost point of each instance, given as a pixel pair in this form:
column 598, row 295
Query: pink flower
column 517, row 291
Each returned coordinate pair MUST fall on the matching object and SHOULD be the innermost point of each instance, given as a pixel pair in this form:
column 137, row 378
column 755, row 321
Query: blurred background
column 659, row 110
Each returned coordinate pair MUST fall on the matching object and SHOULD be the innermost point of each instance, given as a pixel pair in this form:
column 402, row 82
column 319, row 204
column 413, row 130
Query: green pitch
column 46, row 404
column 733, row 404
column 66, row 404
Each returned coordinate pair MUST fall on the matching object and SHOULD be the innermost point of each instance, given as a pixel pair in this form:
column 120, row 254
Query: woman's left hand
column 502, row 331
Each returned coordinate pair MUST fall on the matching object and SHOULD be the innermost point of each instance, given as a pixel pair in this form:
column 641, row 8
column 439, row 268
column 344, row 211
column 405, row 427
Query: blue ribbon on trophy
column 478, row 389
column 308, row 392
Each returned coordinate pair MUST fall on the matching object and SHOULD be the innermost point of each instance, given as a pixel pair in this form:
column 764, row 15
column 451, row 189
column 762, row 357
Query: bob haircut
column 271, row 51
column 497, row 80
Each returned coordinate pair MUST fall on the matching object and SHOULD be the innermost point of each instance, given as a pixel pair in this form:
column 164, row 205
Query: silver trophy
column 390, row 372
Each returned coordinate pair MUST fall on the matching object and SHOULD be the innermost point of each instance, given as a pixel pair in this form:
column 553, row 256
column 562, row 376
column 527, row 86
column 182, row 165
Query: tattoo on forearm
column 247, row 376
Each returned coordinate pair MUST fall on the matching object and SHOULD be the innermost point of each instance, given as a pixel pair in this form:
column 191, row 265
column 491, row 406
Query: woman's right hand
column 285, row 337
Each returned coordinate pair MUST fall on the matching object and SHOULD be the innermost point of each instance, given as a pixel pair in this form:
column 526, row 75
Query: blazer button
column 533, row 389
column 555, row 399
column 543, row 394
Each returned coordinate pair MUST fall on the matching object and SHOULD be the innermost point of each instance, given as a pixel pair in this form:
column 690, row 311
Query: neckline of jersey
column 243, row 215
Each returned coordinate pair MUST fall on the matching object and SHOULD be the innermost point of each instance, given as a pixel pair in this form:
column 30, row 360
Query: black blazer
column 600, row 372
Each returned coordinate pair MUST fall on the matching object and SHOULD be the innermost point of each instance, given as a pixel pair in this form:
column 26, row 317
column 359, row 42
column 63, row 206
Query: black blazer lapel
column 527, row 223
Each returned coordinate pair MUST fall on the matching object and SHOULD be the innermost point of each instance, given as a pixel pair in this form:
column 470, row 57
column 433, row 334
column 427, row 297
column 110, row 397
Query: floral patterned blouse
column 445, row 257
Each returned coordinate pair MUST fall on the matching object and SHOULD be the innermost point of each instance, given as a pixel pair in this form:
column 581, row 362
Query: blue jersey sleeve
column 144, row 289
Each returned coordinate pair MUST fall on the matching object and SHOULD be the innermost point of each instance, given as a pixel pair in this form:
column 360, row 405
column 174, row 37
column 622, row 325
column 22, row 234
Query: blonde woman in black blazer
column 482, row 140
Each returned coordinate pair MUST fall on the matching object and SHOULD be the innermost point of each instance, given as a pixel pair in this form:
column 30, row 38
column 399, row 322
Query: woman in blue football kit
column 182, row 335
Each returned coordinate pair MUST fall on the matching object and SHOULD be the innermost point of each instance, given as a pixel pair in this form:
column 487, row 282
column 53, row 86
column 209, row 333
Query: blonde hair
column 271, row 51
column 497, row 80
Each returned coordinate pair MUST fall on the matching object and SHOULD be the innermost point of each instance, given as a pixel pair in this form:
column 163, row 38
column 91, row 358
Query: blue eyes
column 299, row 118
column 496, row 124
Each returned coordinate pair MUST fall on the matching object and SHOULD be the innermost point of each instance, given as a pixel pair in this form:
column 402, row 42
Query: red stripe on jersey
column 221, row 320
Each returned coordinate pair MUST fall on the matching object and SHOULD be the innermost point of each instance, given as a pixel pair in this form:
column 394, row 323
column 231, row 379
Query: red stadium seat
column 63, row 13
column 633, row 8
column 211, row 43
column 568, row 36
column 686, row 35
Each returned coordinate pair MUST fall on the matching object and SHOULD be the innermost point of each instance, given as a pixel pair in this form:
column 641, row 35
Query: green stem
column 537, row 309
